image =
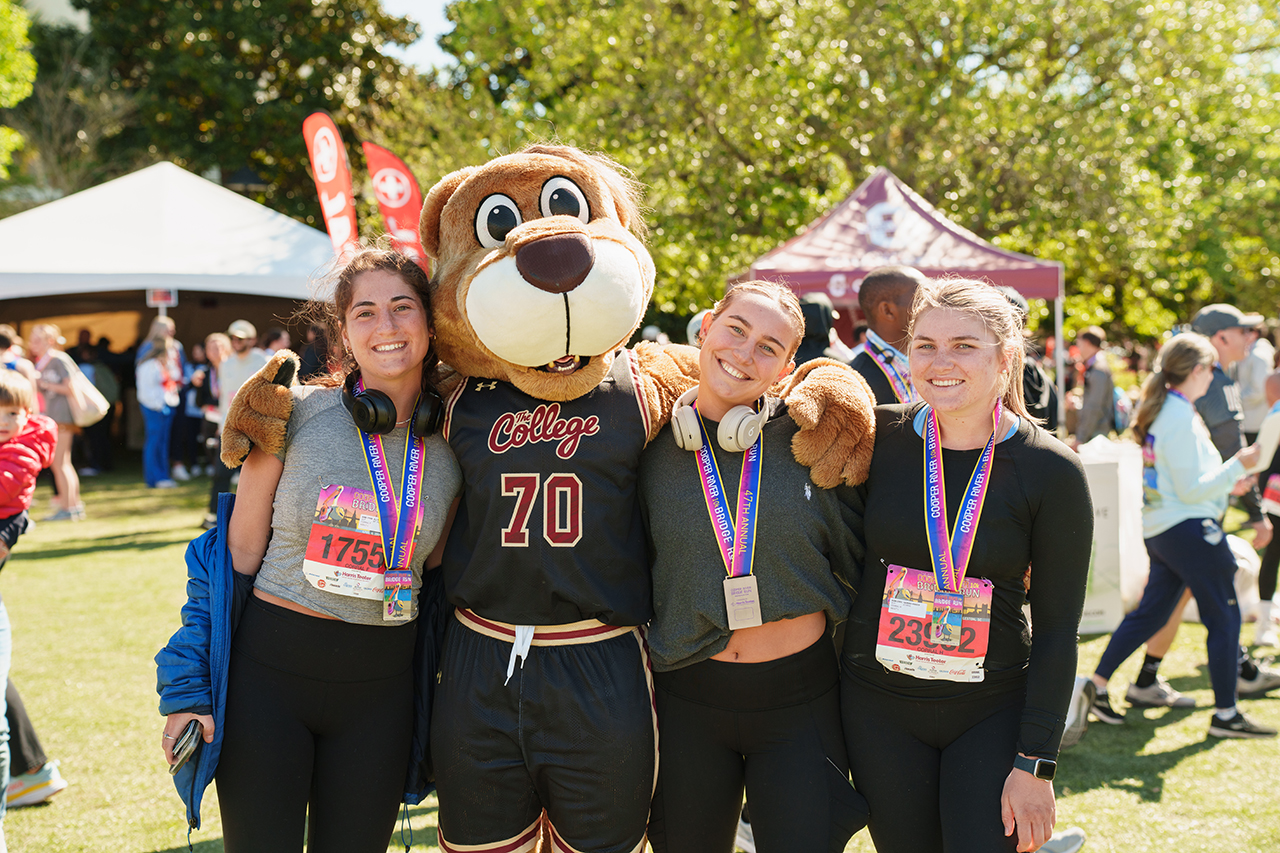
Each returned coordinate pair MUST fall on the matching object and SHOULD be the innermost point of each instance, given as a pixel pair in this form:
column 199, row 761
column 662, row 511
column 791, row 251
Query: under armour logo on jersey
column 486, row 386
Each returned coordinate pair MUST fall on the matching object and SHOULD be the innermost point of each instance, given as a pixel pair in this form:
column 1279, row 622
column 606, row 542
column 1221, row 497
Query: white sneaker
column 1265, row 634
column 1083, row 695
column 745, row 840
column 180, row 473
column 165, row 484
column 1068, row 840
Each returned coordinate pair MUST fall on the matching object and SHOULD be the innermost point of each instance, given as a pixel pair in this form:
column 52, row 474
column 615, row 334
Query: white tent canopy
column 161, row 227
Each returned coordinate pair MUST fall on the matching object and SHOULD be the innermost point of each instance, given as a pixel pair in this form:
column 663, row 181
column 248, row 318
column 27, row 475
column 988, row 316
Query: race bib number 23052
column 903, row 641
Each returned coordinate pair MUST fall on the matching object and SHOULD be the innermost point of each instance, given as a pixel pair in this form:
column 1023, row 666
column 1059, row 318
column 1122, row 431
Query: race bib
column 910, row 620
column 344, row 550
column 1271, row 495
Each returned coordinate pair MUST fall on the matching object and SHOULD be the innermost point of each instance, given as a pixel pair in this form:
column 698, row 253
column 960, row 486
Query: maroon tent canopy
column 885, row 223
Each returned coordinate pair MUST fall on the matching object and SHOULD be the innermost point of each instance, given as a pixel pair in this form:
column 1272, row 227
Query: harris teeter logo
column 516, row 429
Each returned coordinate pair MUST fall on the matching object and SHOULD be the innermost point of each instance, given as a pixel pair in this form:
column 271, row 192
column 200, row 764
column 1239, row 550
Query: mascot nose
column 556, row 264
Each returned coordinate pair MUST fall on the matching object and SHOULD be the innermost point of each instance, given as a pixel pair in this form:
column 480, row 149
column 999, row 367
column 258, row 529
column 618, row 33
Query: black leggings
column 25, row 752
column 1270, row 562
column 933, row 771
column 319, row 714
column 774, row 726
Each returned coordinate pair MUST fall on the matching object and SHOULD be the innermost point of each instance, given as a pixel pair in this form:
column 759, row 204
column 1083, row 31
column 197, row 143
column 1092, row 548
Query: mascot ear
column 437, row 198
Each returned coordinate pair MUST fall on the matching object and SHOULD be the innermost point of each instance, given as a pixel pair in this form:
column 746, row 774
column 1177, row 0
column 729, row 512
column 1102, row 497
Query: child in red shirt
column 27, row 441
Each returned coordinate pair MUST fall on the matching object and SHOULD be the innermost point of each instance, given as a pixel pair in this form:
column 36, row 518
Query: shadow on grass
column 128, row 542
column 212, row 845
column 1115, row 757
column 429, row 836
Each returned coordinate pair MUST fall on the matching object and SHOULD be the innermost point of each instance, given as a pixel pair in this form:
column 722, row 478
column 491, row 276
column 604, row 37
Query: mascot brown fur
column 541, row 278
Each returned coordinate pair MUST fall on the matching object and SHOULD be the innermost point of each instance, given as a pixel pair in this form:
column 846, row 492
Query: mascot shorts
column 572, row 732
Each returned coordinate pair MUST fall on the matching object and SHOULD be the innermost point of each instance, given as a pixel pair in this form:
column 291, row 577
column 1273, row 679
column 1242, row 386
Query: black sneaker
column 1238, row 726
column 1103, row 713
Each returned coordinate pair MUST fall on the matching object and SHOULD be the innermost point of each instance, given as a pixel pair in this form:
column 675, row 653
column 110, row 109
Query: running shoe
column 35, row 786
column 1103, row 712
column 745, row 840
column 1068, row 840
column 1238, row 726
column 1157, row 695
column 1251, row 688
column 1083, row 695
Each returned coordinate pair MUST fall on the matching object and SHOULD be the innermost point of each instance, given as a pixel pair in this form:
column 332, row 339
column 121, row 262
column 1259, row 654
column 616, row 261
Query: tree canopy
column 1134, row 141
column 227, row 83
column 17, row 72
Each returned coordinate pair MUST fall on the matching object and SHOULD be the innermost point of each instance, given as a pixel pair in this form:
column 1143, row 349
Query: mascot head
column 540, row 272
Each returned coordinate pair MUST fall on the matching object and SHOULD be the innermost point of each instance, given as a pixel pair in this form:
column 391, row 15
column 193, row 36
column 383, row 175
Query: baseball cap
column 1212, row 319
column 242, row 329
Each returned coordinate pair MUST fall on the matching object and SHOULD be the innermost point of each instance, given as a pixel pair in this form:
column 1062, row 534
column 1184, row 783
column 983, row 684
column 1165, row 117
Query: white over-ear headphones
column 739, row 428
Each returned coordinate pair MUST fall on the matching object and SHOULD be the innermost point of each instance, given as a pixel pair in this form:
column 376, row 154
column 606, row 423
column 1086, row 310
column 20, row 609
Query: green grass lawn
column 92, row 601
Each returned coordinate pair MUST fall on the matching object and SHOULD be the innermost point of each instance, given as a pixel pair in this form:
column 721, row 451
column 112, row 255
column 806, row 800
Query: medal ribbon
column 401, row 520
column 737, row 540
column 950, row 550
column 884, row 360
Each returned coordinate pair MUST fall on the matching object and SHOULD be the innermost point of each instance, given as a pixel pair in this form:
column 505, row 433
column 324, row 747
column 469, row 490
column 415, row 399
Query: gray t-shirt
column 806, row 553
column 318, row 501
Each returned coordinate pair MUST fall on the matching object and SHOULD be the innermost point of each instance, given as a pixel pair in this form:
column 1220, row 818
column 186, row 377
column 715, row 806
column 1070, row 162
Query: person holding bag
column 56, row 370
column 319, row 673
column 953, row 706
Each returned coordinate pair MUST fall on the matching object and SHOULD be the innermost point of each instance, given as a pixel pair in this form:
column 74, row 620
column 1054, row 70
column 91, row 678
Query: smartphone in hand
column 185, row 746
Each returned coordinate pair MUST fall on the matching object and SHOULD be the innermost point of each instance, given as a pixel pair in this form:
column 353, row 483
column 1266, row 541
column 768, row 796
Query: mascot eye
column 561, row 197
column 497, row 217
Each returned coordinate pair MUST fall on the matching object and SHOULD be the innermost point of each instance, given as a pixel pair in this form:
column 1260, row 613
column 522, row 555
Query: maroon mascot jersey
column 548, row 531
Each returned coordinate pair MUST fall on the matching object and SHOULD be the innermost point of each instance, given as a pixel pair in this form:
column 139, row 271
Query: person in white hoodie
column 1185, row 490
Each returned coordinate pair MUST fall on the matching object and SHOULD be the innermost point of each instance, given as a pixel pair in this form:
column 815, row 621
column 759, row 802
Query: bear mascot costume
column 543, row 717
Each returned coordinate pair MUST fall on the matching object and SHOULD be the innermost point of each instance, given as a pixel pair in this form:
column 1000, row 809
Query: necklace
column 405, row 421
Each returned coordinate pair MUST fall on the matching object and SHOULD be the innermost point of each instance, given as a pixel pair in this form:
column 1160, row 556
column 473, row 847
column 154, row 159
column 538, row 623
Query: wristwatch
column 1041, row 768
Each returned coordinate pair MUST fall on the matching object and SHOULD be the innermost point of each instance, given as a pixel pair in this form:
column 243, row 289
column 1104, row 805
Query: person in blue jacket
column 1184, row 494
column 312, row 686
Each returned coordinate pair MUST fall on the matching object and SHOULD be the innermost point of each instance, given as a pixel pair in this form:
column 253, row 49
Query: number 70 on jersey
column 556, row 499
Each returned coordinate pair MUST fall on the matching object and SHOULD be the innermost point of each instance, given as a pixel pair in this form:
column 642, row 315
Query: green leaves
column 1125, row 139
column 17, row 71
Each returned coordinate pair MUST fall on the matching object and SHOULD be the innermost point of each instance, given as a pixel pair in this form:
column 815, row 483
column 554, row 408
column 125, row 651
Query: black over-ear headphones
column 374, row 413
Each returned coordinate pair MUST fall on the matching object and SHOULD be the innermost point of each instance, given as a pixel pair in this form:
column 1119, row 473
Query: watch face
column 1045, row 768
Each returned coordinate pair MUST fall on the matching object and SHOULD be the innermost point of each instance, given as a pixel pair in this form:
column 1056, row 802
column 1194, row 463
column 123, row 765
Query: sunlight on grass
column 91, row 602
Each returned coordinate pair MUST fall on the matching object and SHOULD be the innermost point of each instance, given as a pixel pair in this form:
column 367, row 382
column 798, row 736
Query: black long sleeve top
column 1037, row 513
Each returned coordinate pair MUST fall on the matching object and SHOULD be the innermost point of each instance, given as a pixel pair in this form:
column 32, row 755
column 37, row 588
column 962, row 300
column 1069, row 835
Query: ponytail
column 1178, row 358
column 1150, row 402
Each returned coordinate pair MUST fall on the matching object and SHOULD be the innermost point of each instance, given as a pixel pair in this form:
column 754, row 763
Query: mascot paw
column 259, row 414
column 833, row 406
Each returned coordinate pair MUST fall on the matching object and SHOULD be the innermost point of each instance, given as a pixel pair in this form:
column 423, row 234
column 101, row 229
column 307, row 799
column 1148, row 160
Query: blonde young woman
column 747, row 689
column 1185, row 488
column 953, row 709
column 56, row 368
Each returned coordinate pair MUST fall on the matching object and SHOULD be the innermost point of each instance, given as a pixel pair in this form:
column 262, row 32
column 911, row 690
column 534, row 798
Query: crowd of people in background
column 182, row 394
